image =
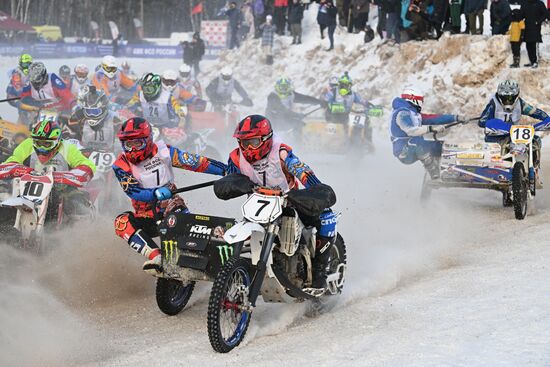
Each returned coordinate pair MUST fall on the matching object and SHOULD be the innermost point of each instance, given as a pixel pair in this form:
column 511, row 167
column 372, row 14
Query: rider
column 80, row 79
column 508, row 106
column 187, row 82
column 92, row 122
column 280, row 103
column 220, row 90
column 65, row 75
column 408, row 125
column 157, row 104
column 170, row 83
column 269, row 162
column 111, row 80
column 45, row 90
column 25, row 60
column 45, row 148
column 144, row 171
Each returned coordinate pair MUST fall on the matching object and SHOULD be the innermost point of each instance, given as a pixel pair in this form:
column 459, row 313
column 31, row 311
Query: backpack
column 369, row 34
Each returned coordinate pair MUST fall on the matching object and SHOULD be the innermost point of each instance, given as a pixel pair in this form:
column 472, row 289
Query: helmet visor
column 149, row 90
column 508, row 99
column 44, row 144
column 226, row 77
column 184, row 74
column 253, row 142
column 109, row 69
column 134, row 145
column 93, row 112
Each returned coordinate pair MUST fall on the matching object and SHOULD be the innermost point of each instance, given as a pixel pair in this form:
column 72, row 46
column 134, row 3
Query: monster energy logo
column 171, row 249
column 226, row 252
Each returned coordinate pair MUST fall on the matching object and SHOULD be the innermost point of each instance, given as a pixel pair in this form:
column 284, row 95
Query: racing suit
column 112, row 87
column 67, row 158
column 100, row 137
column 279, row 109
column 220, row 92
column 495, row 110
column 406, row 129
column 282, row 169
column 139, row 182
column 191, row 85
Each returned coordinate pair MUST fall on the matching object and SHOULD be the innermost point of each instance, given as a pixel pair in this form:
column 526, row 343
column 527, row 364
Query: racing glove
column 163, row 193
column 436, row 128
column 376, row 111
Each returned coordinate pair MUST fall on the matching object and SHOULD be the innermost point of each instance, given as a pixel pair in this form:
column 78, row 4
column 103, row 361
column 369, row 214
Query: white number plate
column 35, row 187
column 522, row 134
column 262, row 208
column 358, row 120
column 102, row 161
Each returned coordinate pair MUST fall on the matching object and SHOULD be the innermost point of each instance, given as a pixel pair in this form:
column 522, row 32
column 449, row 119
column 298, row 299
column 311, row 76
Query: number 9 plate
column 262, row 208
column 522, row 134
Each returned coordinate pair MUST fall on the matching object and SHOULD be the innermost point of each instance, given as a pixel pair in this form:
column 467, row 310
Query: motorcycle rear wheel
column 173, row 295
column 227, row 318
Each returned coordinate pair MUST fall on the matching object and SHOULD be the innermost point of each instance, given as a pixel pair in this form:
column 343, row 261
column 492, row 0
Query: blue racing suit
column 406, row 130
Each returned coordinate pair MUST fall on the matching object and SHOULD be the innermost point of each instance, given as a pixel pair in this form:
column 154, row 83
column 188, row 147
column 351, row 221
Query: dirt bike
column 279, row 262
column 192, row 249
column 506, row 164
column 36, row 205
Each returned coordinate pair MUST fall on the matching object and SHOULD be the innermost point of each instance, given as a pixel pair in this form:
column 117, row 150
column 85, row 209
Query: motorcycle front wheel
column 228, row 314
column 520, row 187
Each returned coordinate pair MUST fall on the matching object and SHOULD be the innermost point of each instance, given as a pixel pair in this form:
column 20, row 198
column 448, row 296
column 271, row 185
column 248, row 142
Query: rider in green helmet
column 151, row 85
column 25, row 60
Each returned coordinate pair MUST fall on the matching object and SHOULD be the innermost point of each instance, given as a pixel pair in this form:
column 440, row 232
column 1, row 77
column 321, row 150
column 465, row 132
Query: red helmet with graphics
column 137, row 139
column 255, row 137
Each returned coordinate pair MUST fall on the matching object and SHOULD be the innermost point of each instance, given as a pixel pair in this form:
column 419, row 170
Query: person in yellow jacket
column 517, row 28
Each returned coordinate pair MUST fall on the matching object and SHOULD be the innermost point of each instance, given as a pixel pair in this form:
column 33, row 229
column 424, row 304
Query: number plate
column 522, row 134
column 358, row 120
column 102, row 161
column 35, row 187
column 262, row 208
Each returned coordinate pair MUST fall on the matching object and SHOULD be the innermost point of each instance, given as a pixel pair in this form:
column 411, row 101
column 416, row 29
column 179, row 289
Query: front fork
column 261, row 266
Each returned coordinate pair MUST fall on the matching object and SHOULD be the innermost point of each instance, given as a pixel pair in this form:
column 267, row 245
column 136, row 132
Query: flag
column 197, row 9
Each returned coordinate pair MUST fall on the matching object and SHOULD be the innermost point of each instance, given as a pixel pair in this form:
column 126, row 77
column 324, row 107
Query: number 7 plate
column 262, row 208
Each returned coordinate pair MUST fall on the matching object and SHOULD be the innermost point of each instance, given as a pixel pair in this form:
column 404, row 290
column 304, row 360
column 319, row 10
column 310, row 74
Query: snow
column 455, row 282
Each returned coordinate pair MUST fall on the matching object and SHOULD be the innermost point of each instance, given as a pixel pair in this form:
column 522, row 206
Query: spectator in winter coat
column 279, row 13
column 418, row 15
column 534, row 12
column 268, row 34
column 197, row 45
column 247, row 26
column 473, row 9
column 326, row 17
column 343, row 9
column 382, row 15
column 359, row 15
column 517, row 27
column 440, row 8
column 392, row 9
column 500, row 16
column 258, row 10
column 235, row 20
column 455, row 10
column 295, row 16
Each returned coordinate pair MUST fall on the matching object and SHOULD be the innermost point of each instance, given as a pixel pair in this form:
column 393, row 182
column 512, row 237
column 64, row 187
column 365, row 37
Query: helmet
column 109, row 66
column 25, row 60
column 16, row 79
column 185, row 71
column 151, row 86
column 344, row 84
column 94, row 105
column 125, row 66
column 169, row 80
column 283, row 87
column 46, row 135
column 38, row 75
column 65, row 72
column 415, row 98
column 226, row 73
column 137, row 140
column 508, row 94
column 255, row 137
column 81, row 72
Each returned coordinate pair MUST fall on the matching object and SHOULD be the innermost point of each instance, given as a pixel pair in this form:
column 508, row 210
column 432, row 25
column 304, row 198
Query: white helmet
column 413, row 97
column 169, row 80
column 185, row 71
column 81, row 72
column 508, row 94
column 226, row 73
column 109, row 66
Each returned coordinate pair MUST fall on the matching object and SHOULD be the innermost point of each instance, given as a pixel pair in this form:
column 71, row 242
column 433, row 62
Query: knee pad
column 124, row 227
column 328, row 224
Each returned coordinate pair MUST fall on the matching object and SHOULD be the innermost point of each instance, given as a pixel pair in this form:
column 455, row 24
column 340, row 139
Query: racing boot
column 153, row 266
column 320, row 262
column 145, row 245
column 432, row 166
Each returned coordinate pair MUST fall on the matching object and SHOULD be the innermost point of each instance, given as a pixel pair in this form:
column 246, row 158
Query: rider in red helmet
column 144, row 170
column 268, row 162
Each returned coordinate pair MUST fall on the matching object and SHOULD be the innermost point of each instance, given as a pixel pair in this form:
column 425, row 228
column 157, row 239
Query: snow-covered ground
column 455, row 282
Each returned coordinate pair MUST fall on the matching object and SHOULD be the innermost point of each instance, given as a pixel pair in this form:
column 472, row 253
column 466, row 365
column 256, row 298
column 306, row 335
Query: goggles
column 44, row 144
column 184, row 75
column 109, row 69
column 508, row 99
column 226, row 77
column 25, row 66
column 253, row 143
column 169, row 82
column 93, row 112
column 81, row 75
column 134, row 145
column 149, row 89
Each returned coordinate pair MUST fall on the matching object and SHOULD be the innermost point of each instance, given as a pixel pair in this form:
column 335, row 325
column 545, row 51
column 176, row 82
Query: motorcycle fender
column 19, row 203
column 242, row 231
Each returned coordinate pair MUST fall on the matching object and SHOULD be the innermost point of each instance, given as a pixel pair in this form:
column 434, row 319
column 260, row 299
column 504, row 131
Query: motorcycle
column 278, row 264
column 506, row 163
column 192, row 249
column 36, row 205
